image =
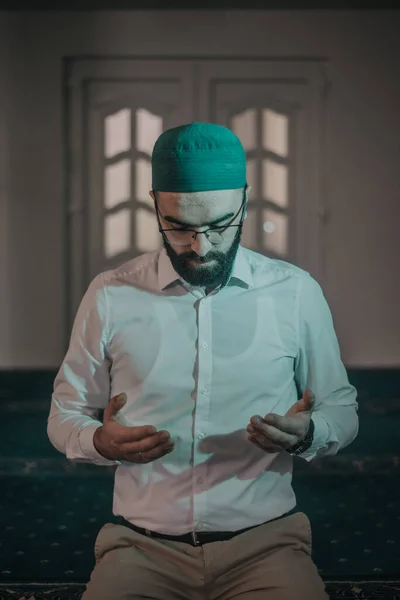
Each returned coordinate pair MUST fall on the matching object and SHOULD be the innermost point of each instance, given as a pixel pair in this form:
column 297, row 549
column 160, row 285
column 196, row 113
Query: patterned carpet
column 51, row 510
column 336, row 590
column 49, row 524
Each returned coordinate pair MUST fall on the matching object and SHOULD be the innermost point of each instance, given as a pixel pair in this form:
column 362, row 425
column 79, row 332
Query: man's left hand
column 275, row 433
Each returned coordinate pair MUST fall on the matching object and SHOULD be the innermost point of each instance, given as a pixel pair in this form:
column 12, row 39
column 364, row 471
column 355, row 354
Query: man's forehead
column 211, row 199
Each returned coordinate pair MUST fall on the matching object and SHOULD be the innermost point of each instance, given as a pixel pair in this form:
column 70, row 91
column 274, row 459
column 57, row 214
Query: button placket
column 202, row 411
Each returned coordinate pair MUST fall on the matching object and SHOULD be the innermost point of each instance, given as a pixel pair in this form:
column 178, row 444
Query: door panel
column 116, row 110
column 275, row 109
column 118, row 107
column 124, row 121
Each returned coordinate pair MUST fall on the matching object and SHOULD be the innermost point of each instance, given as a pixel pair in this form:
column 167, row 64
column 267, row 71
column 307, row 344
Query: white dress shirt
column 200, row 366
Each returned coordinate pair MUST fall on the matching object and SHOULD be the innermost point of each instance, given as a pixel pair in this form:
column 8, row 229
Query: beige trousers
column 270, row 562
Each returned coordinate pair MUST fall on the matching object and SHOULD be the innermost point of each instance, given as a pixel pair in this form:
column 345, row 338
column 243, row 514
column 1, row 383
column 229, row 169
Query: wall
column 5, row 36
column 362, row 244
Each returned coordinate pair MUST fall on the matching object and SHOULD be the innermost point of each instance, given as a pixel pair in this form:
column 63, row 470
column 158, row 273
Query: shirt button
column 204, row 391
column 201, row 436
column 204, row 345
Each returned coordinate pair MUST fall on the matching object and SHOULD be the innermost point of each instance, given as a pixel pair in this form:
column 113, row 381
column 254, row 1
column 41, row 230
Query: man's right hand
column 118, row 442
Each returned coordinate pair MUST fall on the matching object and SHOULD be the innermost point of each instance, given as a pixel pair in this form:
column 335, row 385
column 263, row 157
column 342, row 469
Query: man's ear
column 247, row 192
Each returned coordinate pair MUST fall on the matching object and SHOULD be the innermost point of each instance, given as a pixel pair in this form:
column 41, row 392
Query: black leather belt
column 196, row 538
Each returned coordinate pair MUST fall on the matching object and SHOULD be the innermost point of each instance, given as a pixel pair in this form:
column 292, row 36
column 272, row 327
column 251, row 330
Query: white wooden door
column 124, row 121
column 276, row 109
column 117, row 108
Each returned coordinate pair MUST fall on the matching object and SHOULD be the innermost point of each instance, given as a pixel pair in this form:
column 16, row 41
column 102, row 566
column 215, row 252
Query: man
column 220, row 364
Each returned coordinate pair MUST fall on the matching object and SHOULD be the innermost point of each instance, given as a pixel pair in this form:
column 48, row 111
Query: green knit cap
column 198, row 157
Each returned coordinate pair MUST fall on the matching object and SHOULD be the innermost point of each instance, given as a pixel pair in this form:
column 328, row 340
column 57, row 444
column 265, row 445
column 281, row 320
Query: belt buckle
column 196, row 541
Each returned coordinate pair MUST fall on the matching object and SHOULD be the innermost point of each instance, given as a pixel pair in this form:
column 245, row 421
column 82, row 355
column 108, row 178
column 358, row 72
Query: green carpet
column 337, row 590
column 51, row 509
column 49, row 525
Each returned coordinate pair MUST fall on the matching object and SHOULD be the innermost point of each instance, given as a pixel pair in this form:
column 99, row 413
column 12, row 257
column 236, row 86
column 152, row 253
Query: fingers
column 130, row 441
column 147, row 443
column 267, row 447
column 305, row 405
column 114, row 405
column 150, row 455
column 285, row 424
column 120, row 433
column 268, row 435
column 307, row 402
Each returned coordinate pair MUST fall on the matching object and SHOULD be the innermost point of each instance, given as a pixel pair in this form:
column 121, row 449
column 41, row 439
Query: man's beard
column 207, row 275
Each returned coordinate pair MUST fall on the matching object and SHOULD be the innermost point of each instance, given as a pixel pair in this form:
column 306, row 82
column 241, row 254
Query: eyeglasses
column 183, row 236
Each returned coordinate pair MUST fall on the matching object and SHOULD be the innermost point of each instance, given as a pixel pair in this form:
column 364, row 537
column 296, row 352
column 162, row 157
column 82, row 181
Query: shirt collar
column 241, row 271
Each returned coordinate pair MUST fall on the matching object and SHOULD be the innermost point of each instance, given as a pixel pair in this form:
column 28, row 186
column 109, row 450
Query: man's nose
column 201, row 245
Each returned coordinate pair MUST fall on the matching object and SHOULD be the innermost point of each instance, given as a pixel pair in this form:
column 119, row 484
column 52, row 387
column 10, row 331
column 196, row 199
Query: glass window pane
column 148, row 237
column 143, row 181
column 275, row 228
column 117, row 183
column 117, row 234
column 249, row 235
column 148, row 128
column 117, row 132
column 275, row 183
column 244, row 125
column 275, row 131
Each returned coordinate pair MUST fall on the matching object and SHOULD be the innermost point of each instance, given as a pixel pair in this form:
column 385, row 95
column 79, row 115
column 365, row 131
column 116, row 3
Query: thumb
column 305, row 404
column 115, row 404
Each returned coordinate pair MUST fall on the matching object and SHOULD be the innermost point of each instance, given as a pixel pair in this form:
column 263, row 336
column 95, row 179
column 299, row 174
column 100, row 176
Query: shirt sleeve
column 318, row 367
column 82, row 385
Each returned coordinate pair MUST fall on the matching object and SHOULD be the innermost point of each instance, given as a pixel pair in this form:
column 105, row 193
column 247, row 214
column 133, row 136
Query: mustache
column 200, row 259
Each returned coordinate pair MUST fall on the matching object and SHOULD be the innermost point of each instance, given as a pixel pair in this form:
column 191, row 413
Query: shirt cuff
column 322, row 437
column 85, row 441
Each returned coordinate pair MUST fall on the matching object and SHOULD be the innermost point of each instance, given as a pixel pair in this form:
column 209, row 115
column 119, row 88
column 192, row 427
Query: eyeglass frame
column 205, row 232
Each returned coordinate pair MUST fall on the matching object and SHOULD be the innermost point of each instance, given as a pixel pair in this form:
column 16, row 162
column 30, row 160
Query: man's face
column 201, row 263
